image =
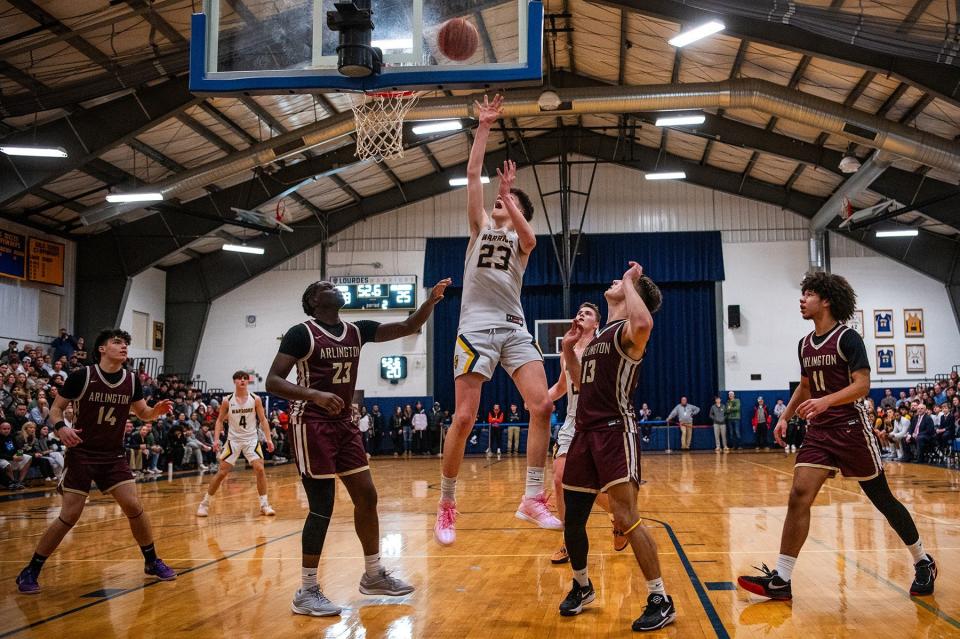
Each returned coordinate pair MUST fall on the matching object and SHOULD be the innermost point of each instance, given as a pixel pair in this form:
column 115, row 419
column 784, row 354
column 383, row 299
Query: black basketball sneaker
column 926, row 574
column 768, row 585
column 577, row 598
column 658, row 613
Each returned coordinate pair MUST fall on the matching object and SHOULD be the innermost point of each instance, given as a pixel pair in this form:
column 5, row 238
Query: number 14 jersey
column 492, row 277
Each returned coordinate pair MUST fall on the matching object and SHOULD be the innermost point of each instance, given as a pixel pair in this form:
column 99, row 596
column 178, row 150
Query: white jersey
column 492, row 277
column 242, row 419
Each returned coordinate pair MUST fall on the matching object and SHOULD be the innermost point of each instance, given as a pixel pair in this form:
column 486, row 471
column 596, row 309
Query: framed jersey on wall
column 883, row 322
column 916, row 358
column 913, row 322
column 856, row 322
column 886, row 359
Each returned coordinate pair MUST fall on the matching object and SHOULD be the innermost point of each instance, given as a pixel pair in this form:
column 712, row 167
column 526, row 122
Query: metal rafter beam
column 157, row 21
column 205, row 133
column 922, row 103
column 45, row 19
column 624, row 47
column 88, row 133
column 254, row 107
column 339, row 181
column 222, row 118
column 892, row 99
column 145, row 149
column 917, row 10
column 734, row 74
column 940, row 79
column 21, row 77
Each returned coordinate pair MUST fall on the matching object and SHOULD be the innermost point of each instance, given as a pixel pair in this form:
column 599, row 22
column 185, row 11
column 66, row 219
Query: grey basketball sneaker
column 314, row 603
column 384, row 583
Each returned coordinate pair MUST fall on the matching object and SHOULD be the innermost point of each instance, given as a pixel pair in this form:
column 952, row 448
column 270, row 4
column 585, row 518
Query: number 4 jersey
column 327, row 360
column 828, row 362
column 102, row 402
column 492, row 277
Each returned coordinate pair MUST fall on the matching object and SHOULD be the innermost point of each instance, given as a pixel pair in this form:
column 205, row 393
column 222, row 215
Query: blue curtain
column 682, row 354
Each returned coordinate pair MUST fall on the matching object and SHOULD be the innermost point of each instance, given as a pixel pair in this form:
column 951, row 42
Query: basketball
column 458, row 39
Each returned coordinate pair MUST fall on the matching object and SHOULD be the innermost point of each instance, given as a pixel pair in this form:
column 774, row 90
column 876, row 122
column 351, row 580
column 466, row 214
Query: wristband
column 59, row 425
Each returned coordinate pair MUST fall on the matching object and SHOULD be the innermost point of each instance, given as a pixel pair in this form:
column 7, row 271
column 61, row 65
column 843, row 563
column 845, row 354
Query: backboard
column 272, row 46
column 549, row 334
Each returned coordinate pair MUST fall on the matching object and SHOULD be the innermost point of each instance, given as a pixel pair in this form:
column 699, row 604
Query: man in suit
column 921, row 434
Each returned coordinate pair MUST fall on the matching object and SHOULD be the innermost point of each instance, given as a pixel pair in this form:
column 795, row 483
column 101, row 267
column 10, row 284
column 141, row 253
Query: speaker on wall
column 733, row 316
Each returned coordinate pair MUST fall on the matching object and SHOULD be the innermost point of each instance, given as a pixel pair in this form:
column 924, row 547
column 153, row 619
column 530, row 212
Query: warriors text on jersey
column 608, row 379
column 242, row 418
column 327, row 361
column 828, row 361
column 102, row 402
column 492, row 277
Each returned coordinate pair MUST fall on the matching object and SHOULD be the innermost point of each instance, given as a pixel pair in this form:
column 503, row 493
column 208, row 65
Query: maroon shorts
column 598, row 459
column 852, row 450
column 79, row 471
column 324, row 450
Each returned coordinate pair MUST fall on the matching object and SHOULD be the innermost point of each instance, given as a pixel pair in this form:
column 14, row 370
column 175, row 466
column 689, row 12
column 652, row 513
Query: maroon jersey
column 330, row 365
column 608, row 379
column 827, row 361
column 102, row 409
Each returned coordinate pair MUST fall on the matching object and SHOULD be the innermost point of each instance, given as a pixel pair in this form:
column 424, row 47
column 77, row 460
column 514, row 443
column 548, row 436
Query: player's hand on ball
column 328, row 402
column 489, row 111
column 436, row 293
column 812, row 407
column 780, row 432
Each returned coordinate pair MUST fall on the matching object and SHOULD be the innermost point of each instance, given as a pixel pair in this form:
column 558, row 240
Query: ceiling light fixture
column 680, row 120
column 667, row 175
column 116, row 198
column 463, row 181
column 439, row 126
column 697, row 33
column 35, row 151
column 243, row 248
column 898, row 233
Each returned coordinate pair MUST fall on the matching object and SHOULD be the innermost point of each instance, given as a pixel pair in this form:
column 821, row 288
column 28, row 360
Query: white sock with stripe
column 785, row 564
column 917, row 551
column 534, row 482
column 448, row 488
column 308, row 578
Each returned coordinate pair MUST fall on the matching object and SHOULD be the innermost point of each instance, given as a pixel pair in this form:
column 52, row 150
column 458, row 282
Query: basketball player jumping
column 588, row 317
column 492, row 331
column 604, row 455
column 326, row 443
column 834, row 379
column 244, row 411
column 104, row 395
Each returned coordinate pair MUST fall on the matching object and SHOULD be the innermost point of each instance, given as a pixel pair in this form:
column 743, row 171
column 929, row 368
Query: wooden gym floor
column 712, row 516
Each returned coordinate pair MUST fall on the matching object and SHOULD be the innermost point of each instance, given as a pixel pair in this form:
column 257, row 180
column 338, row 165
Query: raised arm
column 487, row 114
column 409, row 326
column 525, row 234
column 636, row 331
column 557, row 390
column 569, row 356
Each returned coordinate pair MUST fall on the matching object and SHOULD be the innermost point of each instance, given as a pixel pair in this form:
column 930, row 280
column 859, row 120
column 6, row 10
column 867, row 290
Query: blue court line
column 695, row 580
column 917, row 600
column 127, row 591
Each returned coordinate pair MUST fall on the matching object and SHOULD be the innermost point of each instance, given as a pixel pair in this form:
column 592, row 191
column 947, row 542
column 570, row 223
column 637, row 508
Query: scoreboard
column 377, row 292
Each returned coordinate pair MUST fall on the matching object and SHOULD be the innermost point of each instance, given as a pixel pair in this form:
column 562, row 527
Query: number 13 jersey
column 492, row 277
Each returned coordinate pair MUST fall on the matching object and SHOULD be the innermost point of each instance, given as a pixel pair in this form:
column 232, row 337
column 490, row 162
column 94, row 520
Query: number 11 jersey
column 828, row 362
column 492, row 277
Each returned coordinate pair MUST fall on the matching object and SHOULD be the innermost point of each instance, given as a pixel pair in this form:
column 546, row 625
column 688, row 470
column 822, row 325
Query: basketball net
column 379, row 119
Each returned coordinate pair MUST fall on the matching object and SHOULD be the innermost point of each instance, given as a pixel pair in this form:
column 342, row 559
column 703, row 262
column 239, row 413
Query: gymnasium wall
column 765, row 256
column 20, row 300
column 147, row 296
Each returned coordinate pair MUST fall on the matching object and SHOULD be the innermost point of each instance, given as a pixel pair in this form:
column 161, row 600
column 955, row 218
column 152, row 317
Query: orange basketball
column 458, row 39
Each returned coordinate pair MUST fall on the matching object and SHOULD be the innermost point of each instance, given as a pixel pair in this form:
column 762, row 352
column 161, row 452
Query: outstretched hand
column 508, row 175
column 489, row 111
column 436, row 293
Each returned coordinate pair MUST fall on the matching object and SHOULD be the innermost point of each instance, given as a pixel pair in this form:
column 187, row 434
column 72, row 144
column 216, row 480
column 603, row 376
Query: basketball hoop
column 379, row 118
column 846, row 209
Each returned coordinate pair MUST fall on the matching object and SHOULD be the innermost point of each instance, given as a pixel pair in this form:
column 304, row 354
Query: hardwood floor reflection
column 713, row 516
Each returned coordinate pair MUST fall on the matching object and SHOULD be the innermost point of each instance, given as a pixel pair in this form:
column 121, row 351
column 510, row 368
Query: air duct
column 863, row 128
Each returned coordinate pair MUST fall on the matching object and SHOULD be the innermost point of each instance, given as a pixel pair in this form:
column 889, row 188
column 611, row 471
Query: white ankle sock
column 372, row 564
column 448, row 488
column 263, row 501
column 534, row 482
column 581, row 577
column 206, row 499
column 917, row 551
column 308, row 578
column 785, row 564
column 656, row 586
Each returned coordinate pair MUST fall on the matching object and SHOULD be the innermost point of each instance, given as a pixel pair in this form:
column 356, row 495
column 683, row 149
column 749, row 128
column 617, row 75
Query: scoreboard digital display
column 377, row 292
column 393, row 368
